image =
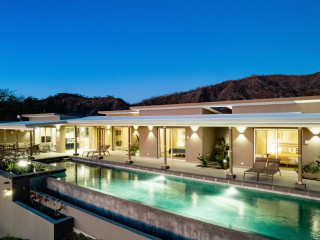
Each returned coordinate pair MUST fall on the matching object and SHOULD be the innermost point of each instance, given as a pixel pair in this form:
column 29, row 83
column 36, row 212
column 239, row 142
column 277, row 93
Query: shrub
column 203, row 159
column 221, row 153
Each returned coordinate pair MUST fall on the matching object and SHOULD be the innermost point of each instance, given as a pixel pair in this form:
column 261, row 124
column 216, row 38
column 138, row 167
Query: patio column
column 300, row 184
column 75, row 142
column 230, row 175
column 99, row 144
column 4, row 139
column 165, row 166
column 30, row 149
column 129, row 161
column 17, row 143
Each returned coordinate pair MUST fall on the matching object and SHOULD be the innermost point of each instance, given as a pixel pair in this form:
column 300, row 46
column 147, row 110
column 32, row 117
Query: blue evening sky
column 137, row 49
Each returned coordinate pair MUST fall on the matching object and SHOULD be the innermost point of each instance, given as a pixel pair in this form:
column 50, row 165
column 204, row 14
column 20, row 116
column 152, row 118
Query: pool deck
column 284, row 183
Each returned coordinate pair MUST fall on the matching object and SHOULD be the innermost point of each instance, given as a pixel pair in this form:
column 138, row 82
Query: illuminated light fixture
column 150, row 128
column 315, row 130
column 241, row 129
column 58, row 127
column 22, row 163
column 7, row 192
column 194, row 128
column 135, row 127
column 161, row 177
column 108, row 127
column 82, row 129
column 224, row 160
column 231, row 191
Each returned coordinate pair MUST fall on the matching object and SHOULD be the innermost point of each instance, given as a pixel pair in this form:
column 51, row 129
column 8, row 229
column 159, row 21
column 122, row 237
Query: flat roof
column 230, row 104
column 253, row 120
column 29, row 125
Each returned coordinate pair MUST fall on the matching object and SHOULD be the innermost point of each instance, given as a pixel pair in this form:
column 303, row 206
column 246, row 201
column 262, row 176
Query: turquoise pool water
column 273, row 215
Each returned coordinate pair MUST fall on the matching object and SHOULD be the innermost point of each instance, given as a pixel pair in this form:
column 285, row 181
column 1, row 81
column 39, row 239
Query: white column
column 165, row 166
column 129, row 141
column 230, row 175
column 30, row 150
column 75, row 142
column 300, row 184
column 99, row 143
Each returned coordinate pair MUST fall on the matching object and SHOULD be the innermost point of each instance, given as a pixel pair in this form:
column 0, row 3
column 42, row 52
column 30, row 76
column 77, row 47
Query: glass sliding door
column 120, row 138
column 82, row 138
column 175, row 142
column 277, row 143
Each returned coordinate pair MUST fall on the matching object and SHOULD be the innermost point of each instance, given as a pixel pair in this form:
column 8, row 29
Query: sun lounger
column 272, row 167
column 104, row 149
column 257, row 168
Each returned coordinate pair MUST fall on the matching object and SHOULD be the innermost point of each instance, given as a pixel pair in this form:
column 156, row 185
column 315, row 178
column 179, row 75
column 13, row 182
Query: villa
column 285, row 128
column 139, row 143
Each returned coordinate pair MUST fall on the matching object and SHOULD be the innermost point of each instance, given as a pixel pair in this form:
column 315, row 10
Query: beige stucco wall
column 53, row 118
column 163, row 112
column 60, row 140
column 243, row 147
column 294, row 107
column 18, row 222
column 148, row 142
column 193, row 144
column 99, row 227
column 311, row 149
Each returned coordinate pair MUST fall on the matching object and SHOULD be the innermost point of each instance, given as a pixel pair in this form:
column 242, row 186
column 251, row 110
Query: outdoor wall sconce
column 108, row 127
column 7, row 192
column 194, row 128
column 241, row 129
column 314, row 130
column 150, row 128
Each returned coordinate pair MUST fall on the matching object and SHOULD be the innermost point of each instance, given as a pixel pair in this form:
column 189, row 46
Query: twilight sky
column 138, row 49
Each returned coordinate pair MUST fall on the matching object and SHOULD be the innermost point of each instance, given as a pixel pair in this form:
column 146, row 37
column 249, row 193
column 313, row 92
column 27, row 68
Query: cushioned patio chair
column 104, row 149
column 258, row 167
column 272, row 168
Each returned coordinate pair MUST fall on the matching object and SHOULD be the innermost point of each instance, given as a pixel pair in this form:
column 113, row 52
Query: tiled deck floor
column 287, row 178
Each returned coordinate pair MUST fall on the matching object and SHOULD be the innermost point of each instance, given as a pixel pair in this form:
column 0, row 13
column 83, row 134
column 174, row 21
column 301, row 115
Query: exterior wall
column 60, row 140
column 162, row 224
column 148, row 142
column 311, row 149
column 99, row 227
column 243, row 147
column 109, row 138
column 53, row 118
column 194, row 144
column 164, row 112
column 22, row 221
column 294, row 107
column 209, row 141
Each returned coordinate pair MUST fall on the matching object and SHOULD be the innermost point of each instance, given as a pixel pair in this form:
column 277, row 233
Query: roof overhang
column 217, row 120
column 30, row 125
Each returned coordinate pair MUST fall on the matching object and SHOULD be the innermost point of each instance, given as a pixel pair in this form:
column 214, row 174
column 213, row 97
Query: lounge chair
column 104, row 149
column 257, row 168
column 272, row 167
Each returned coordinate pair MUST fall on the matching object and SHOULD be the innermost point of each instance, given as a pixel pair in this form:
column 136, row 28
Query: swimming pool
column 272, row 215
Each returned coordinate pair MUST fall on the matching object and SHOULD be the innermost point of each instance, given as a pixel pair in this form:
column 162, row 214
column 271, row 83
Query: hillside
column 253, row 87
column 63, row 103
column 76, row 105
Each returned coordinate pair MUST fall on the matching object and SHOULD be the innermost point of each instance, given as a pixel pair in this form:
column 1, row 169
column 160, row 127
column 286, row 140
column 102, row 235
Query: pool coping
column 265, row 187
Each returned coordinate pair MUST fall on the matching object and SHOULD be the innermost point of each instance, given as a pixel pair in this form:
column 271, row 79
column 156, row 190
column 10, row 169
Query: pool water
column 273, row 215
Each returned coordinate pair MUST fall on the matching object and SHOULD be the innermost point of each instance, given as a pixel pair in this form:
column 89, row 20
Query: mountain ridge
column 251, row 87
